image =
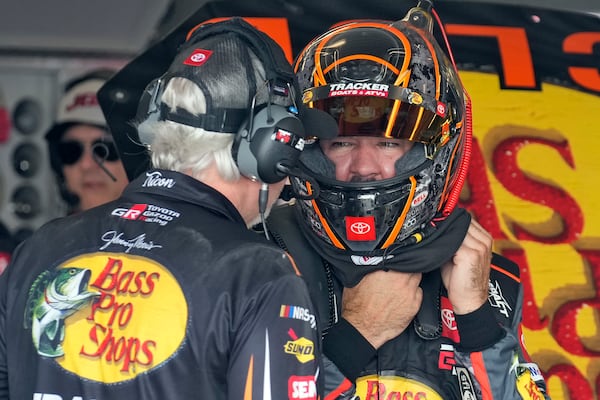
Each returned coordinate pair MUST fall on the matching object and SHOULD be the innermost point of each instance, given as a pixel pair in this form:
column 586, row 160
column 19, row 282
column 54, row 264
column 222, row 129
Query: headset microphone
column 263, row 197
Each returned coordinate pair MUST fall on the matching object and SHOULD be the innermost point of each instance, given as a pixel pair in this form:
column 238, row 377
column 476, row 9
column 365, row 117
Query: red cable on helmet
column 461, row 178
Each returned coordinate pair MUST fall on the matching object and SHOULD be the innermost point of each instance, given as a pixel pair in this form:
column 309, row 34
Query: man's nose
column 87, row 159
column 365, row 165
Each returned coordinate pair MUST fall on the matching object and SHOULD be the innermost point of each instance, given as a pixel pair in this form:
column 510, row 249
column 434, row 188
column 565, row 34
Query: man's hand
column 383, row 304
column 466, row 275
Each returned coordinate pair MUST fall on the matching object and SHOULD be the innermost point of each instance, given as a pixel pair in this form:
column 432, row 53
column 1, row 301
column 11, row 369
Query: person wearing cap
column 83, row 156
column 164, row 293
column 412, row 301
column 7, row 246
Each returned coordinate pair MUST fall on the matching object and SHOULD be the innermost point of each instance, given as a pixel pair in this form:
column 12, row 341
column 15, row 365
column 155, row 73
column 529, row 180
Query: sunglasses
column 70, row 151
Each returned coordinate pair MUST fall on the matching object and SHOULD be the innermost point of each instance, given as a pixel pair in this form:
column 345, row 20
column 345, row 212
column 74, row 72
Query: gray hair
column 178, row 147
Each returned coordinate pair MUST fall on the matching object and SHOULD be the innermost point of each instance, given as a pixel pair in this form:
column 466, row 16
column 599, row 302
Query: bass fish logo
column 107, row 317
column 54, row 296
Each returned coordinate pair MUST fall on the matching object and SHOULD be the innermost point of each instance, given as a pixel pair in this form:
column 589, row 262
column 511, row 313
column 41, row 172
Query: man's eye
column 340, row 144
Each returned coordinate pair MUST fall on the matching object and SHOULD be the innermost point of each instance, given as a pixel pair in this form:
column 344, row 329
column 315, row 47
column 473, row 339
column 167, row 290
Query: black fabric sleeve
column 479, row 329
column 337, row 343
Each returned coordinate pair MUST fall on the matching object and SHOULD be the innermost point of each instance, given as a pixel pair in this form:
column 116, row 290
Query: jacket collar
column 179, row 186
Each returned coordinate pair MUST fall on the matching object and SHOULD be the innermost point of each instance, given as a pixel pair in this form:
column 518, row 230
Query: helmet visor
column 405, row 116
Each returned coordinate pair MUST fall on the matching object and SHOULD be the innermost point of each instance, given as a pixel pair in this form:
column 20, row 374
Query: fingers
column 477, row 234
column 466, row 275
column 383, row 304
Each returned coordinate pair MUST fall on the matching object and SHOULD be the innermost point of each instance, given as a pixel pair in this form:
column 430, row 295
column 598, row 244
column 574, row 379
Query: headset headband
column 278, row 73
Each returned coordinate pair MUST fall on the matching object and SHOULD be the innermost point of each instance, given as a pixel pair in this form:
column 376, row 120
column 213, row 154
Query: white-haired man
column 164, row 293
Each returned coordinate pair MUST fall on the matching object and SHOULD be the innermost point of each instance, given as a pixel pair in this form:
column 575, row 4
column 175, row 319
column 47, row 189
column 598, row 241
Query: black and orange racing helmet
column 392, row 80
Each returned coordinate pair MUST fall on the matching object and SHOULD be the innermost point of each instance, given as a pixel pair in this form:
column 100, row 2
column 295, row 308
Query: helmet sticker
column 360, row 228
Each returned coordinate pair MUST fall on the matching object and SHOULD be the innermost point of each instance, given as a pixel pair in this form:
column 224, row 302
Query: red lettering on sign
column 576, row 384
column 480, row 200
column 518, row 183
column 531, row 315
column 564, row 324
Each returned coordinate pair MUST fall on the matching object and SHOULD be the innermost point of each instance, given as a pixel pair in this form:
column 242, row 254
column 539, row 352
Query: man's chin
column 91, row 202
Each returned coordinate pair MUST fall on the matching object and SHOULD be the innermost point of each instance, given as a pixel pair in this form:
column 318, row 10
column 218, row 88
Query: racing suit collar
column 437, row 247
column 182, row 187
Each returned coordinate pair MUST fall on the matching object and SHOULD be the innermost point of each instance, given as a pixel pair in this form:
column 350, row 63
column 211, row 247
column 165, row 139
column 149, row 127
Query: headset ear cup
column 258, row 151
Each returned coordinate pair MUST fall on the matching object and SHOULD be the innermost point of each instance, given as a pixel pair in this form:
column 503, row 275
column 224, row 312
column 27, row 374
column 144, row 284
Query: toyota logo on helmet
column 360, row 228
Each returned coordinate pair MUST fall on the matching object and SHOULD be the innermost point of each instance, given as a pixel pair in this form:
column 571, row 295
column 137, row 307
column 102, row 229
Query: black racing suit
column 163, row 294
column 439, row 356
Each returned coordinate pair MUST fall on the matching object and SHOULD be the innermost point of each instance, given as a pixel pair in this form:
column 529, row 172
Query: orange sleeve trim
column 345, row 385
column 289, row 256
column 248, row 387
column 505, row 272
column 481, row 375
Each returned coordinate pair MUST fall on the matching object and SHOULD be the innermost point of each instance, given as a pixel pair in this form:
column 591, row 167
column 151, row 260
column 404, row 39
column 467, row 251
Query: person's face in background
column 83, row 176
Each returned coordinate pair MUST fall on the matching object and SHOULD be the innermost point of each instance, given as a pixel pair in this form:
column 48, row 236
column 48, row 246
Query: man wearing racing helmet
column 412, row 301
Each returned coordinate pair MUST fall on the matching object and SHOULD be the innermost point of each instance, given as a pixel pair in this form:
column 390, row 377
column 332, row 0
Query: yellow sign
column 533, row 184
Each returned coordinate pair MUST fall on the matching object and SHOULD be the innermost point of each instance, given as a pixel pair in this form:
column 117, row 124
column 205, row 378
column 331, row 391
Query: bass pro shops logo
column 375, row 387
column 102, row 316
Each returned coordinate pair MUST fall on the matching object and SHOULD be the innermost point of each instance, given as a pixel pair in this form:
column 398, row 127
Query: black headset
column 268, row 143
column 269, row 137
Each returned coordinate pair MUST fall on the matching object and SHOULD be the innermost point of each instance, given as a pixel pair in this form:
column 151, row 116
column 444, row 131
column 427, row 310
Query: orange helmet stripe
column 328, row 229
column 361, row 57
column 400, row 221
column 319, row 72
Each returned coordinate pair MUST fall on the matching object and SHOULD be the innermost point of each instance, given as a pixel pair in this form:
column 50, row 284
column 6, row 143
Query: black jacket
column 439, row 356
column 161, row 294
